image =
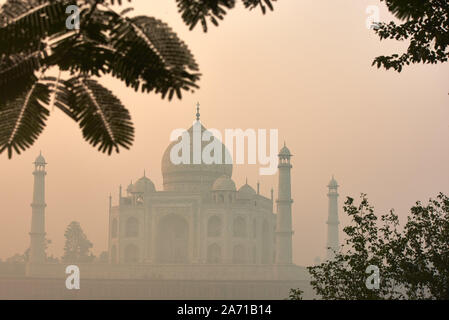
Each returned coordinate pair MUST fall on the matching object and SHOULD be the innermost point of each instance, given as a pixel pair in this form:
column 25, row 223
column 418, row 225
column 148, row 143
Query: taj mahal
column 198, row 227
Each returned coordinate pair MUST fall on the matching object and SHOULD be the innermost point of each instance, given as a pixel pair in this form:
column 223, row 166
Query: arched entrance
column 131, row 254
column 214, row 253
column 172, row 240
column 265, row 243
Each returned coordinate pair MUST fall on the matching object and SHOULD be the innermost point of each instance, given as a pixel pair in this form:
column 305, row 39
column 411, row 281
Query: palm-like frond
column 147, row 53
column 406, row 9
column 22, row 120
column 193, row 12
column 262, row 4
column 24, row 23
column 17, row 74
column 196, row 11
column 103, row 119
column 141, row 51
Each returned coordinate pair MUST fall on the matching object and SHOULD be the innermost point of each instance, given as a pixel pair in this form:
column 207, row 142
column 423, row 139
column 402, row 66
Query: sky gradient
column 304, row 69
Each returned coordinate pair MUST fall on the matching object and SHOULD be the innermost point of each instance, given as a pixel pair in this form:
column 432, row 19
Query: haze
column 304, row 69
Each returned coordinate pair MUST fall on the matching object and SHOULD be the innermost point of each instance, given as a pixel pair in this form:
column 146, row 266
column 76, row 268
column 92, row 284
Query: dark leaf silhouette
column 141, row 51
column 23, row 119
column 104, row 121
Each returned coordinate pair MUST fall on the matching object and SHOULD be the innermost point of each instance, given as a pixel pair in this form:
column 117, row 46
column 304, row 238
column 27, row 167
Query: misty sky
column 304, row 69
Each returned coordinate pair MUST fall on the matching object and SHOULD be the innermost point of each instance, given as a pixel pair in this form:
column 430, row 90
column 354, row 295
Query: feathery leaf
column 101, row 116
column 22, row 120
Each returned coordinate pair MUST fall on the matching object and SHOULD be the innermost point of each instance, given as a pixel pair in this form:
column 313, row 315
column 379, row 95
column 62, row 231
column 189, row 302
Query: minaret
column 284, row 230
column 332, row 220
column 37, row 234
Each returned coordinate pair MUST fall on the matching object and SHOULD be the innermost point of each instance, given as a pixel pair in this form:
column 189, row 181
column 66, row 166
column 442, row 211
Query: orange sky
column 304, row 69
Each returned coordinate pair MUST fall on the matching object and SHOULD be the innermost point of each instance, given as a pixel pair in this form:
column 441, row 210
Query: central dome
column 193, row 177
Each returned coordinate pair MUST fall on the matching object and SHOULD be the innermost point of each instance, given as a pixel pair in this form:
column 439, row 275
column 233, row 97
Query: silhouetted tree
column 141, row 51
column 295, row 294
column 77, row 246
column 425, row 26
column 413, row 263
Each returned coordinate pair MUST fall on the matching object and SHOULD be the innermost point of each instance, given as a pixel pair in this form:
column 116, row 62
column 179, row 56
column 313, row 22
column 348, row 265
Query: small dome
column 224, row 183
column 246, row 192
column 285, row 151
column 40, row 159
column 143, row 185
column 130, row 187
column 333, row 183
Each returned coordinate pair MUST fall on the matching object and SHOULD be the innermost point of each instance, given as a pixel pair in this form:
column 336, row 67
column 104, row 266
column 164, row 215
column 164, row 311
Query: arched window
column 230, row 198
column 214, row 253
column 239, row 227
column 114, row 228
column 214, row 227
column 239, row 254
column 131, row 253
column 132, row 227
column 221, row 197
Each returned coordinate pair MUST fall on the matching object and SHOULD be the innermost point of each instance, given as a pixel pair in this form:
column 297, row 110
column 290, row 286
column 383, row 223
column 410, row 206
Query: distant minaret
column 37, row 234
column 284, row 230
column 332, row 220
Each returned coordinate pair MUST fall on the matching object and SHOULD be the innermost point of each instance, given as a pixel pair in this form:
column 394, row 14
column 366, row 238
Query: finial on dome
column 144, row 173
column 40, row 160
column 197, row 111
column 333, row 183
column 246, row 181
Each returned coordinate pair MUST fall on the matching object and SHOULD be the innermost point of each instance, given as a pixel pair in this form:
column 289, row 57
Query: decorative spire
column 198, row 111
column 246, row 181
column 144, row 173
column 258, row 187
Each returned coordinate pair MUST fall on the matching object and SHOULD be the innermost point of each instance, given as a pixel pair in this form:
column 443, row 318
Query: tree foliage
column 141, row 51
column 295, row 294
column 413, row 262
column 424, row 25
column 77, row 246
